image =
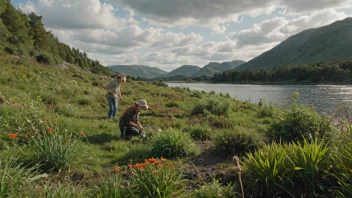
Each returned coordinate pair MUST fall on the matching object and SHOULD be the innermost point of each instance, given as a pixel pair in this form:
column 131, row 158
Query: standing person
column 114, row 94
column 129, row 123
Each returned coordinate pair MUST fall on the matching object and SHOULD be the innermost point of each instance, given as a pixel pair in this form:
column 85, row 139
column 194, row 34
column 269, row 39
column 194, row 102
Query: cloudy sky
column 171, row 33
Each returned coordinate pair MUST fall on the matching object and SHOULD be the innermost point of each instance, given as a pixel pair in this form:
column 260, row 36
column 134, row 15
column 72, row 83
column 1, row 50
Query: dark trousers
column 127, row 132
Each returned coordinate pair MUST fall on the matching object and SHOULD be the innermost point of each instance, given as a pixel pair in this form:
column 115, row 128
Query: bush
column 173, row 143
column 298, row 123
column 308, row 163
column 231, row 142
column 53, row 151
column 83, row 101
column 215, row 190
column 200, row 132
column 46, row 58
column 212, row 105
column 155, row 178
column 264, row 171
column 172, row 104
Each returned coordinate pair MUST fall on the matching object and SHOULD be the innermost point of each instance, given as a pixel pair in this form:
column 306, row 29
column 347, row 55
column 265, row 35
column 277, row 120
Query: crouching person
column 129, row 123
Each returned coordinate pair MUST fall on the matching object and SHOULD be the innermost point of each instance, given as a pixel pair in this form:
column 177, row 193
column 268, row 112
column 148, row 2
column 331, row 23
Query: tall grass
column 114, row 187
column 173, row 143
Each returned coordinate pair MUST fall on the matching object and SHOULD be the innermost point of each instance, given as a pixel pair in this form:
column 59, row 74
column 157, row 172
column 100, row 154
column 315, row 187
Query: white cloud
column 75, row 14
column 278, row 29
column 219, row 29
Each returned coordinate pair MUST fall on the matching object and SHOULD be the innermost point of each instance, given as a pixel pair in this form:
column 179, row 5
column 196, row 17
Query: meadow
column 61, row 144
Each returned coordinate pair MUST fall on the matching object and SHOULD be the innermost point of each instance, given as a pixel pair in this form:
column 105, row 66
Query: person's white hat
column 142, row 103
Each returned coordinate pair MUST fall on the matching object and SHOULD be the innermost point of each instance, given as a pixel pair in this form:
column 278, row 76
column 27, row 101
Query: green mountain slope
column 138, row 70
column 326, row 43
column 184, row 70
column 215, row 67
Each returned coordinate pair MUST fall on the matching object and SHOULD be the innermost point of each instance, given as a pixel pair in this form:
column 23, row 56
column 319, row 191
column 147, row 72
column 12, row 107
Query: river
column 325, row 98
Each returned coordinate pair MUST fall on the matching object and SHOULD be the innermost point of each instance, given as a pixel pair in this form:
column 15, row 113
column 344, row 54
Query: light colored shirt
column 114, row 86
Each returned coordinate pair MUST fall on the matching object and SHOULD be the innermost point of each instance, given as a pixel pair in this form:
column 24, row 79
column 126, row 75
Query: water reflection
column 325, row 98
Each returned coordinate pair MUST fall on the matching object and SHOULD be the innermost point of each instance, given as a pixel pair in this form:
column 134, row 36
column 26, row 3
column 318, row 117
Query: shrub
column 231, row 142
column 155, row 178
column 264, row 171
column 83, row 101
column 200, row 132
column 13, row 177
column 298, row 123
column 54, row 152
column 173, row 143
column 172, row 104
column 213, row 104
column 215, row 190
column 45, row 58
column 307, row 162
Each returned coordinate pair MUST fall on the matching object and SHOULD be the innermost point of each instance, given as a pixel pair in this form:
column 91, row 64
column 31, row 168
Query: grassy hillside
column 328, row 43
column 214, row 67
column 63, row 122
column 138, row 70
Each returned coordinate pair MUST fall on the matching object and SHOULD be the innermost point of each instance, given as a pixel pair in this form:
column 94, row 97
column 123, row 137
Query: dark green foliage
column 45, row 59
column 235, row 141
column 215, row 105
column 172, row 104
column 299, row 122
column 321, row 72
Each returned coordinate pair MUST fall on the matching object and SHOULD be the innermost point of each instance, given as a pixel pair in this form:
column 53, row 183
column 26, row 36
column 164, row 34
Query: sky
column 170, row 33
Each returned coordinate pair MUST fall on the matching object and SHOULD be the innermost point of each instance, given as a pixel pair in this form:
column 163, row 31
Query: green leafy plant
column 215, row 190
column 54, row 151
column 13, row 176
column 265, row 171
column 114, row 187
column 64, row 190
column 235, row 141
column 200, row 132
column 299, row 122
column 215, row 105
column 156, row 178
column 173, row 143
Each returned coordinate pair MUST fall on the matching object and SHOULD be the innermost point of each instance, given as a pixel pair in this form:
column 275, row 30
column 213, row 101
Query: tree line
column 339, row 71
column 25, row 36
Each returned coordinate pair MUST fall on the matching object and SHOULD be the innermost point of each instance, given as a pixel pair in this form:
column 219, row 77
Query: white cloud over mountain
column 171, row 33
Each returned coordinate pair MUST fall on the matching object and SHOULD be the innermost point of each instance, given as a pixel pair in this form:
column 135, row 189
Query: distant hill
column 326, row 43
column 214, row 67
column 138, row 70
column 184, row 70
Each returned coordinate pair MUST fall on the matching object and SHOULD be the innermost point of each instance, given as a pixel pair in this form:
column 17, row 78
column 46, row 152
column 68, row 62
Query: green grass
column 73, row 103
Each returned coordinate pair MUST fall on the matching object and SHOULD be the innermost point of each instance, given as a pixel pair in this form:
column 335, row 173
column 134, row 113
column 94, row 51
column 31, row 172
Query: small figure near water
column 129, row 123
column 114, row 94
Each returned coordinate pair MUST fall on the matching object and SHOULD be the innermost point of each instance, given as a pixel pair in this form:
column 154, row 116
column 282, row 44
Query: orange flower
column 152, row 160
column 221, row 117
column 117, row 170
column 129, row 166
column 163, row 159
column 155, row 172
column 161, row 166
column 13, row 135
column 50, row 130
column 81, row 133
column 171, row 164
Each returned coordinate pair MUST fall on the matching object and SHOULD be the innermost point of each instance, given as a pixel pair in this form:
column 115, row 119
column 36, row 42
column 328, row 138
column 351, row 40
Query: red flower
column 50, row 130
column 117, row 170
column 13, row 135
column 81, row 133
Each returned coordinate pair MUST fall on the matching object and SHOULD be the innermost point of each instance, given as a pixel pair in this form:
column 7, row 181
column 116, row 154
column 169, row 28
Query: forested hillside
column 25, row 36
column 336, row 72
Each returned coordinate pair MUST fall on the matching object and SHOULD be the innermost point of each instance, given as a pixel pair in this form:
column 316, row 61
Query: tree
column 37, row 31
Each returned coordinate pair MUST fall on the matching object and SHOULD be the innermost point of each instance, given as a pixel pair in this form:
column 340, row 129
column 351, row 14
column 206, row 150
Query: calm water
column 325, row 98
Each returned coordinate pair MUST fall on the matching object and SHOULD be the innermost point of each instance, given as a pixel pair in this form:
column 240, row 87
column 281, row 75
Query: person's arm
column 129, row 118
column 119, row 93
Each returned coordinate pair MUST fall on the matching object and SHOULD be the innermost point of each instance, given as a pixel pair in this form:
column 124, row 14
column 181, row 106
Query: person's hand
column 141, row 127
column 116, row 96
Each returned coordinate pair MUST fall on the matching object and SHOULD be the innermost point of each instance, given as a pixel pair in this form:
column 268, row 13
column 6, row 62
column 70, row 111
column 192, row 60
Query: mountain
column 184, row 70
column 326, row 43
column 138, row 70
column 214, row 67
